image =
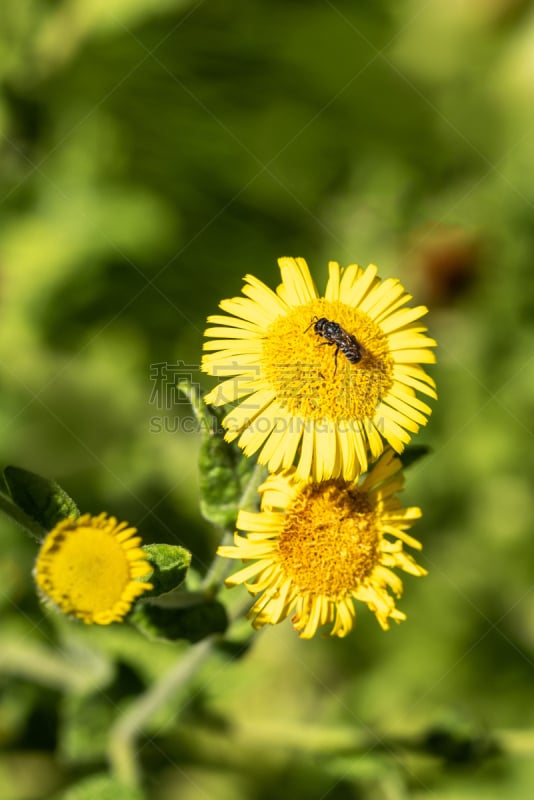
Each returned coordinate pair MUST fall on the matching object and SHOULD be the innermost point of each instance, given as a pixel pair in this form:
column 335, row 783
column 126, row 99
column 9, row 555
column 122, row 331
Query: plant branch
column 130, row 724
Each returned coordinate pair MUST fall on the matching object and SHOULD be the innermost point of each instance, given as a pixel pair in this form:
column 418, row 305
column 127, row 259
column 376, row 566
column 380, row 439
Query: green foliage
column 154, row 152
column 169, row 567
column 460, row 742
column 85, row 722
column 43, row 500
column 224, row 473
column 190, row 617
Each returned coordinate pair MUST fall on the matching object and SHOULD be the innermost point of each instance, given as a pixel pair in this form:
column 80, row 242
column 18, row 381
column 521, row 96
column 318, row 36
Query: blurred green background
column 152, row 153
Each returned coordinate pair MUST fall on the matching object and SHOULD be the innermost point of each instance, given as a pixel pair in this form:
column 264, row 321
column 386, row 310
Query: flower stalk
column 130, row 724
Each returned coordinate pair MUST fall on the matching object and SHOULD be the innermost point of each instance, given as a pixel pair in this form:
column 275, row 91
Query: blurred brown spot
column 498, row 12
column 446, row 260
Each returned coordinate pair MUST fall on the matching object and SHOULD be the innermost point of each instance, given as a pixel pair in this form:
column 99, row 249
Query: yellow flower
column 317, row 547
column 88, row 568
column 301, row 399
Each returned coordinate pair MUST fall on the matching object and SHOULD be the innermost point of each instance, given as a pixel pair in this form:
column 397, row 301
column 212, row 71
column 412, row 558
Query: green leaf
column 100, row 787
column 224, row 475
column 85, row 723
column 225, row 472
column 193, row 622
column 413, row 453
column 41, row 499
column 169, row 567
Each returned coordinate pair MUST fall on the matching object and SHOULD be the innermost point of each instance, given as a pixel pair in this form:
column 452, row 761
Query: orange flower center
column 322, row 372
column 330, row 543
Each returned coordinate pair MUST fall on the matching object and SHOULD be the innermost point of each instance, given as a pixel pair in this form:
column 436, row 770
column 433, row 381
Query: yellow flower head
column 88, row 568
column 317, row 547
column 321, row 395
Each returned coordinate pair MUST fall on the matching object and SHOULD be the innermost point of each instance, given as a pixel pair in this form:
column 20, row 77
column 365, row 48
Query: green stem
column 218, row 570
column 249, row 498
column 79, row 672
column 192, row 392
column 21, row 518
column 130, row 725
column 123, row 736
column 221, row 567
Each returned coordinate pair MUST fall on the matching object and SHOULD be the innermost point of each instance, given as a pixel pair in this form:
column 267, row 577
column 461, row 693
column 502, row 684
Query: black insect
column 338, row 336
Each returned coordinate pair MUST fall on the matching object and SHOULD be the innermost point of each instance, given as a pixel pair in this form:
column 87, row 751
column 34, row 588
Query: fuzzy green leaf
column 193, row 622
column 224, row 475
column 40, row 498
column 169, row 567
column 224, row 471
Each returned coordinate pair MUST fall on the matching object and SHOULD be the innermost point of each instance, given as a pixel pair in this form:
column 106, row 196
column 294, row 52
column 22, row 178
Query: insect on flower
column 268, row 361
column 338, row 336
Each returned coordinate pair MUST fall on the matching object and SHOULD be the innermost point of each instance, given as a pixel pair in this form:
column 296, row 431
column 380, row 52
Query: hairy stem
column 124, row 734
